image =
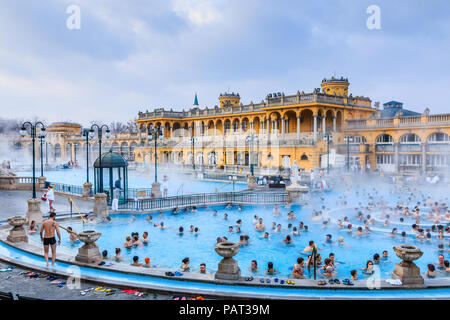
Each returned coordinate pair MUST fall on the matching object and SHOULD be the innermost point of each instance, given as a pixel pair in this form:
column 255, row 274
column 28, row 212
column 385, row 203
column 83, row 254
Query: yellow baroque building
column 287, row 128
column 275, row 132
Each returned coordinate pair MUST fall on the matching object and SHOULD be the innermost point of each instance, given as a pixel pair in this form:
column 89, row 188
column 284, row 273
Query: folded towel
column 394, row 282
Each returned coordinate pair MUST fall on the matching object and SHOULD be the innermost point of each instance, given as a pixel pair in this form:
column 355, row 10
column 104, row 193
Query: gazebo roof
column 111, row 160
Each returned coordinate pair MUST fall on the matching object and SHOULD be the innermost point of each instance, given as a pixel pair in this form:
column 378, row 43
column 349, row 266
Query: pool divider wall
column 196, row 277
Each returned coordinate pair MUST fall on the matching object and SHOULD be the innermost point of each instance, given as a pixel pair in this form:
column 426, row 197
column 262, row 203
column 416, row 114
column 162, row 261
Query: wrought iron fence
column 66, row 188
column 207, row 199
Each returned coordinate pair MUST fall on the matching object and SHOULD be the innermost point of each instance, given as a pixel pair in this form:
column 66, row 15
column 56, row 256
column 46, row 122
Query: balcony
column 438, row 147
column 296, row 99
column 399, row 122
column 410, row 148
column 384, row 148
column 353, row 148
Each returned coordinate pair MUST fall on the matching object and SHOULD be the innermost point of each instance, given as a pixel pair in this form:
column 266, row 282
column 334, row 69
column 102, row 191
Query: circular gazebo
column 114, row 166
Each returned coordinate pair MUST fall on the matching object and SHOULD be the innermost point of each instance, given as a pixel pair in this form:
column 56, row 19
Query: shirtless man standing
column 49, row 226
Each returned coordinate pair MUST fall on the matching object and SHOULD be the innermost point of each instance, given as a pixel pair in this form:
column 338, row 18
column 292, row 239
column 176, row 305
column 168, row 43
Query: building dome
column 111, row 160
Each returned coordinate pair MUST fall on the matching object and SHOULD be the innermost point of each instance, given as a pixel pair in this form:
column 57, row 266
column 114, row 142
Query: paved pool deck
column 14, row 203
column 16, row 282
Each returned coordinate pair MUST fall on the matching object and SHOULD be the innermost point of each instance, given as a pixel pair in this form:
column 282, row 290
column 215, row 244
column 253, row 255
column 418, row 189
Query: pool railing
column 249, row 198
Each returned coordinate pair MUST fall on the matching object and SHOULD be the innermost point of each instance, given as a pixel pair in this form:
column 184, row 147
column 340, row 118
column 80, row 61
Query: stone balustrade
column 20, row 183
column 414, row 121
column 299, row 98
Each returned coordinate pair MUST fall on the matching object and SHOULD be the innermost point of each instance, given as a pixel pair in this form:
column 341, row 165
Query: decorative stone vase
column 89, row 252
column 407, row 271
column 17, row 233
column 228, row 268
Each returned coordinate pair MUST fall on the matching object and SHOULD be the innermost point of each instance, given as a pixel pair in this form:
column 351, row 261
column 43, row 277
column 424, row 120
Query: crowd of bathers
column 430, row 217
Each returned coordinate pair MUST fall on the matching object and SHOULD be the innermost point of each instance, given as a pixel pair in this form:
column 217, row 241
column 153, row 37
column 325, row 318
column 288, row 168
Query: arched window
column 438, row 137
column 359, row 140
column 385, row 138
column 410, row 138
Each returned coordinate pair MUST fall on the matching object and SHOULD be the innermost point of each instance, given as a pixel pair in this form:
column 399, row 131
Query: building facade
column 277, row 131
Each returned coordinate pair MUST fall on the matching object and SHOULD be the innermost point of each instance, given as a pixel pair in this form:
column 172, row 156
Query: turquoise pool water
column 177, row 184
column 167, row 249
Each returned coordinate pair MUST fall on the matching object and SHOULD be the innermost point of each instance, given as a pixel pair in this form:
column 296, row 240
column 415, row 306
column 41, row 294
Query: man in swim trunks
column 49, row 226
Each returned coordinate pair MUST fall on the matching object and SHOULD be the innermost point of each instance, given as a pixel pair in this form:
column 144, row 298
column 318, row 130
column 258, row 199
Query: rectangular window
column 385, row 159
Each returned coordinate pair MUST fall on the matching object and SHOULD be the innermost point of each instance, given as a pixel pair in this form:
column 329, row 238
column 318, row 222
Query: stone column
column 41, row 183
column 146, row 134
column 334, row 123
column 215, row 129
column 139, row 135
column 324, row 123
column 100, row 206
column 171, row 131
column 396, row 158
column 156, row 188
column 298, row 126
column 268, row 126
column 315, row 127
column 424, row 158
column 34, row 211
column 252, row 182
column 283, row 127
column 86, row 189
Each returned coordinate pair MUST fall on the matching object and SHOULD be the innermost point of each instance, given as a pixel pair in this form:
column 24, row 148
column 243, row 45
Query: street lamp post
column 46, row 154
column 85, row 134
column 100, row 135
column 251, row 138
column 41, row 142
column 43, row 133
column 155, row 133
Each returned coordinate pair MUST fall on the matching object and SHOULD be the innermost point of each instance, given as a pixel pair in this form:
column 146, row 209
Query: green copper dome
column 111, row 160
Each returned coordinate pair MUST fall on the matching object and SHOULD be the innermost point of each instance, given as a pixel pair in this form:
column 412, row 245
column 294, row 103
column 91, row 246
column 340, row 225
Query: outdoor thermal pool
column 166, row 248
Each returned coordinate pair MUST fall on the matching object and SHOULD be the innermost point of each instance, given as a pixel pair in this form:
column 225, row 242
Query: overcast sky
column 135, row 55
